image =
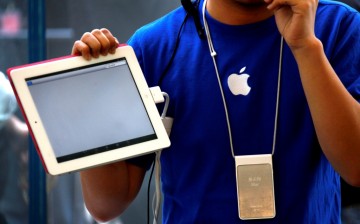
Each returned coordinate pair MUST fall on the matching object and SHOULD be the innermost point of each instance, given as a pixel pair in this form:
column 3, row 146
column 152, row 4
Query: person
column 312, row 130
column 13, row 158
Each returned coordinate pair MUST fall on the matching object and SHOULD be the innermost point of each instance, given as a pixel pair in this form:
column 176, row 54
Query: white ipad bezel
column 18, row 76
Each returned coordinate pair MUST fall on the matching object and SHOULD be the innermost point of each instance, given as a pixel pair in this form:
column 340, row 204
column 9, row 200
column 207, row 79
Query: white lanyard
column 213, row 54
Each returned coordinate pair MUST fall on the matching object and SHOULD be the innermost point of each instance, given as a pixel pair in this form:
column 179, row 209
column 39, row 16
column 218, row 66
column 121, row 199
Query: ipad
column 83, row 114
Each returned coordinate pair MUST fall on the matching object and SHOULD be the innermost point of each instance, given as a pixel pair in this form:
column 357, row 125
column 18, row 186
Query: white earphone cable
column 213, row 55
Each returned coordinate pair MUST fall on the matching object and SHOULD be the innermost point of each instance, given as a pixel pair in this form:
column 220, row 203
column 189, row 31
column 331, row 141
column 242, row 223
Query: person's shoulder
column 337, row 15
column 174, row 16
column 162, row 27
column 332, row 6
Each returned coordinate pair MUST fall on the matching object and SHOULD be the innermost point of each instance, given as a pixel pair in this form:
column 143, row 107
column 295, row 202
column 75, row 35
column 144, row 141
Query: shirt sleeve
column 346, row 55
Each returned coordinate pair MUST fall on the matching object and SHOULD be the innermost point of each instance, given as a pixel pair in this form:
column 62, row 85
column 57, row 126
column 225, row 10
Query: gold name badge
column 255, row 187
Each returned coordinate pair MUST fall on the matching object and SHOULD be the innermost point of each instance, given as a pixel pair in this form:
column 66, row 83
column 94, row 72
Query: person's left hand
column 295, row 20
column 95, row 43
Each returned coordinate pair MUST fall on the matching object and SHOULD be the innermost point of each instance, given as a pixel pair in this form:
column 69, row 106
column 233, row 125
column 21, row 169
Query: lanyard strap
column 213, row 55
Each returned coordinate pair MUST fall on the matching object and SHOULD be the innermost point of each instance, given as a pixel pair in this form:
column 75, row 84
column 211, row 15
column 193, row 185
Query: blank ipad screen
column 77, row 119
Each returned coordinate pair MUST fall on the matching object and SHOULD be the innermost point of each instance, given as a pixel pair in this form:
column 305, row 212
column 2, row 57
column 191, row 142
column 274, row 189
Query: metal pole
column 37, row 177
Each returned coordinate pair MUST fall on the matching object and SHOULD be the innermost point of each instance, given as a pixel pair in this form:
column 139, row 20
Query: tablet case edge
column 8, row 71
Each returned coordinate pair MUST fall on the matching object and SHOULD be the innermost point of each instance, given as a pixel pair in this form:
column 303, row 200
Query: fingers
column 295, row 20
column 80, row 48
column 276, row 4
column 98, row 42
column 304, row 4
column 112, row 41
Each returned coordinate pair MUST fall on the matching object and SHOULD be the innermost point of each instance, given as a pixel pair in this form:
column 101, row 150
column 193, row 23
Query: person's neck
column 234, row 13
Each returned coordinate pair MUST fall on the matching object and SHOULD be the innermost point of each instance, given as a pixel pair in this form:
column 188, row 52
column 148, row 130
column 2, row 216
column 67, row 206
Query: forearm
column 335, row 113
column 109, row 189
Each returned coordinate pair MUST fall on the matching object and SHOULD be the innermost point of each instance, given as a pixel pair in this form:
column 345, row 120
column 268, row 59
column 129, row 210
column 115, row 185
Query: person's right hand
column 98, row 42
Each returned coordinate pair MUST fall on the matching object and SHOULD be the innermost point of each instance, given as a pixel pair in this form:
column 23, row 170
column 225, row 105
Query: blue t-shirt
column 198, row 170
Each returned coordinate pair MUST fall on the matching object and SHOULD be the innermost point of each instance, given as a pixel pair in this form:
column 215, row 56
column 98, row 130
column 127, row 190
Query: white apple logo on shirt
column 238, row 83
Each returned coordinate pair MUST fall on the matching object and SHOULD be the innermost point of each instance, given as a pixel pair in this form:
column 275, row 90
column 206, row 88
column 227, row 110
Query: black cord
column 192, row 9
column 148, row 192
column 159, row 83
column 174, row 51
